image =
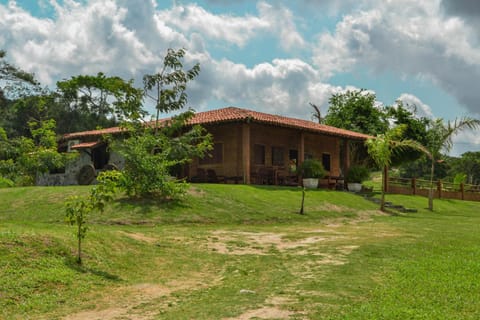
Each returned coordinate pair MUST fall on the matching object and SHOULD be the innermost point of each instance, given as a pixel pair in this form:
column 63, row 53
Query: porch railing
column 447, row 190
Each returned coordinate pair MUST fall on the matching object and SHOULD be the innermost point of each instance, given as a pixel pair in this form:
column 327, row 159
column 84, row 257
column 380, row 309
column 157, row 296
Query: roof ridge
column 232, row 113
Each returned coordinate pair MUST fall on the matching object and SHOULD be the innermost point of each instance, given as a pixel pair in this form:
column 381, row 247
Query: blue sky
column 271, row 56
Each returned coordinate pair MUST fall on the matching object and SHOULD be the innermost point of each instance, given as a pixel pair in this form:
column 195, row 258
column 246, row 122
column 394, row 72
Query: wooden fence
column 447, row 190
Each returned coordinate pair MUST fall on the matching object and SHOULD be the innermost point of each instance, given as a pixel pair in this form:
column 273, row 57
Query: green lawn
column 239, row 252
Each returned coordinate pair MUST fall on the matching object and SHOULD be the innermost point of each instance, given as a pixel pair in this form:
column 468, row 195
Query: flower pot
column 354, row 186
column 310, row 183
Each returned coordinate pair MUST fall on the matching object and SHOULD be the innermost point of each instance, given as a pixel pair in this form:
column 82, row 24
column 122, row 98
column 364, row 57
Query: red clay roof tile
column 234, row 114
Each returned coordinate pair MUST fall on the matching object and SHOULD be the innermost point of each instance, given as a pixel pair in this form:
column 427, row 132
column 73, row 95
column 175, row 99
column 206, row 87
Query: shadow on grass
column 71, row 262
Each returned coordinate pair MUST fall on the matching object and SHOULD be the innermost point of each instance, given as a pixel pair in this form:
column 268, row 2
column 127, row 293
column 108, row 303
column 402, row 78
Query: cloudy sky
column 271, row 56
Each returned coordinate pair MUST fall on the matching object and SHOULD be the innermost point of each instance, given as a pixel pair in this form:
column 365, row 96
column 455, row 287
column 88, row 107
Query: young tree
column 439, row 138
column 383, row 147
column 167, row 88
column 77, row 209
column 153, row 151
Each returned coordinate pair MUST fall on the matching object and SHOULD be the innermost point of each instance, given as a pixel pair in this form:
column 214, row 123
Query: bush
column 6, row 183
column 357, row 174
column 311, row 168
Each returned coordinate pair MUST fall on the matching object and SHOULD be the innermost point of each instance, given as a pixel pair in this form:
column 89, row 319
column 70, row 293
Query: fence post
column 439, row 189
column 414, row 186
column 462, row 190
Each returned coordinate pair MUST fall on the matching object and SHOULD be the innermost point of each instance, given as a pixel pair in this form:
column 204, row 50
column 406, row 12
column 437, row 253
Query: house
column 249, row 147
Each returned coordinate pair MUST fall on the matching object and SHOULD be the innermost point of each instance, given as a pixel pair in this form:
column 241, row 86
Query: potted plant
column 355, row 176
column 311, row 170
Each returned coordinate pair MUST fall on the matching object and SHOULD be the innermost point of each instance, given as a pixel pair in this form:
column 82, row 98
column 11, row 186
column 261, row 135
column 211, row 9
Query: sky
column 269, row 56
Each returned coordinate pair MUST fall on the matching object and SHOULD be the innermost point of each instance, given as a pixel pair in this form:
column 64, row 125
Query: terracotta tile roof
column 85, row 145
column 231, row 114
column 91, row 133
column 234, row 114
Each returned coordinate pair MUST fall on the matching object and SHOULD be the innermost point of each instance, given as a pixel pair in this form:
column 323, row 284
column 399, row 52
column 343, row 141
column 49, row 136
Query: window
column 258, row 154
column 326, row 161
column 215, row 156
column 278, row 158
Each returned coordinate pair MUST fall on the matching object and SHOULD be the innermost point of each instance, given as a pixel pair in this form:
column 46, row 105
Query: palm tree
column 440, row 138
column 382, row 147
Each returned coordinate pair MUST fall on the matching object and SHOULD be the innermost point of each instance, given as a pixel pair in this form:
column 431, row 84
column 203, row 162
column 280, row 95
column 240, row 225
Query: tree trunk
column 382, row 200
column 79, row 258
column 430, row 193
column 303, row 200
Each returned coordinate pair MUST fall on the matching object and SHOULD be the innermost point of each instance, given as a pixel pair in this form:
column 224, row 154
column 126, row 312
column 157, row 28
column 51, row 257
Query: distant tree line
column 358, row 110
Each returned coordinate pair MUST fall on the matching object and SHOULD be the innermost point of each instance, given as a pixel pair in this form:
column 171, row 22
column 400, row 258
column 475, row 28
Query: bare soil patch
column 272, row 310
column 139, row 236
column 127, row 302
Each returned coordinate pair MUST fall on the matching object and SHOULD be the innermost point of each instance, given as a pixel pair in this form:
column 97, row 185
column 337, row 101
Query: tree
column 13, row 78
column 357, row 111
column 383, row 147
column 153, row 151
column 469, row 164
column 415, row 129
column 317, row 114
column 439, row 137
column 23, row 157
column 167, row 87
column 77, row 209
column 101, row 101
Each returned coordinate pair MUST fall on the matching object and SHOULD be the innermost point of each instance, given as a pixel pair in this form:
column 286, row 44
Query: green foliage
column 415, row 128
column 13, row 79
column 440, row 137
column 382, row 148
column 468, row 163
column 357, row 174
column 107, row 98
column 77, row 209
column 6, row 183
column 356, row 111
column 150, row 158
column 311, row 168
column 167, row 88
column 151, row 154
column 458, row 180
column 21, row 159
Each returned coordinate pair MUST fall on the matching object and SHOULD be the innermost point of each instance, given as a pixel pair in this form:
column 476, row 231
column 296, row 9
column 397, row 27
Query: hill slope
column 234, row 251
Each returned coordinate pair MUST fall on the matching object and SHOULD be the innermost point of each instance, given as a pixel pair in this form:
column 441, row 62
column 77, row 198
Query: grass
column 232, row 250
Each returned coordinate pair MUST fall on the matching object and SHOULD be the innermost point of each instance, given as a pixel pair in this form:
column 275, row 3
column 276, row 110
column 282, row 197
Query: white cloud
column 236, row 30
column 467, row 140
column 98, row 36
column 421, row 109
column 408, row 37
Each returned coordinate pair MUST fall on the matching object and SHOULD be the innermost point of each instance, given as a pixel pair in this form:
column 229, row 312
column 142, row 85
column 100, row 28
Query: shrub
column 357, row 174
column 311, row 168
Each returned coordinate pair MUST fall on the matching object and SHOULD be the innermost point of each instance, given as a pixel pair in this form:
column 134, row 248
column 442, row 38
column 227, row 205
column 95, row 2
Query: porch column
column 301, row 149
column 346, row 156
column 246, row 152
